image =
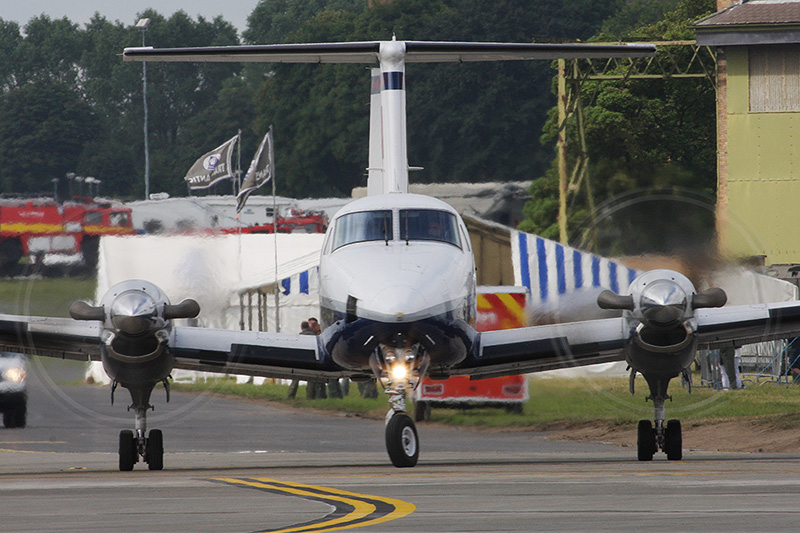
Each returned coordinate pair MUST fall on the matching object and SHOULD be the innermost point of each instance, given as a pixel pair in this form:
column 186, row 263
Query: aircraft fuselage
column 397, row 269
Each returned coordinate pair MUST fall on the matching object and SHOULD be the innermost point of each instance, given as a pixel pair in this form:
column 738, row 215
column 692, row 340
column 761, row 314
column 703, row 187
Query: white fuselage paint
column 398, row 280
column 423, row 290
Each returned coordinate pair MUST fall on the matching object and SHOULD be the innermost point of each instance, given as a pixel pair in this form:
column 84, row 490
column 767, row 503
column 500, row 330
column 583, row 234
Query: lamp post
column 142, row 26
column 91, row 181
column 70, row 179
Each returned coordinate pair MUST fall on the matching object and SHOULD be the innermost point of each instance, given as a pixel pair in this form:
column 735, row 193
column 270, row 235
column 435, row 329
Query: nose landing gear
column 403, row 367
column 402, row 442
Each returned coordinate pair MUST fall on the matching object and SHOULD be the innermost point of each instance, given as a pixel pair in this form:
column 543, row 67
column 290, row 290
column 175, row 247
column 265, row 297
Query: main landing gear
column 667, row 437
column 134, row 445
column 150, row 449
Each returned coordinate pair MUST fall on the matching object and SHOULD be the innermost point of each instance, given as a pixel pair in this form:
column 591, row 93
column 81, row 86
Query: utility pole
column 562, row 152
column 142, row 25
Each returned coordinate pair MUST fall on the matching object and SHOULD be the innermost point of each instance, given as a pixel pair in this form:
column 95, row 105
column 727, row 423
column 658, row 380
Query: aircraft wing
column 255, row 353
column 538, row 348
column 368, row 51
column 747, row 324
column 63, row 338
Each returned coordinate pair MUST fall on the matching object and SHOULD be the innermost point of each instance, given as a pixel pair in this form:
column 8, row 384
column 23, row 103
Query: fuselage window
column 363, row 226
column 429, row 225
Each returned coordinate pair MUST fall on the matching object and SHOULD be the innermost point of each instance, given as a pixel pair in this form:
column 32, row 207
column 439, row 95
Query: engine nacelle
column 136, row 315
column 659, row 311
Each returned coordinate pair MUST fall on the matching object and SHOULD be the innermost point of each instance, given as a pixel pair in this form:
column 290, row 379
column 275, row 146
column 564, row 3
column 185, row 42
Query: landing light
column 399, row 372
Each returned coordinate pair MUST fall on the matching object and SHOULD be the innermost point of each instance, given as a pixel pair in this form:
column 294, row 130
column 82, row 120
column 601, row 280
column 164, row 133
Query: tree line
column 651, row 146
column 68, row 103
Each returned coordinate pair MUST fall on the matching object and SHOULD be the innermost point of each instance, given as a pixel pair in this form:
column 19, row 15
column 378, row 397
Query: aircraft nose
column 399, row 302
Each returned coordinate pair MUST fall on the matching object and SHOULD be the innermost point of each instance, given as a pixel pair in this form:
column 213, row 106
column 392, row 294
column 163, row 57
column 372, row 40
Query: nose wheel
column 402, row 442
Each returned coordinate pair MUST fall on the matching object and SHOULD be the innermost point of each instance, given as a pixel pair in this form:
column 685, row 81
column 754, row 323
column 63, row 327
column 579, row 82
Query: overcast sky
column 81, row 11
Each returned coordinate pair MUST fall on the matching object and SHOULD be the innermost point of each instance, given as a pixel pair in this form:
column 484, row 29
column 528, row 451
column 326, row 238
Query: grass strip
column 557, row 403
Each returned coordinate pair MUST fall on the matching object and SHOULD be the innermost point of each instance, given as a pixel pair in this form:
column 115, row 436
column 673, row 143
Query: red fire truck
column 38, row 227
column 498, row 308
column 296, row 221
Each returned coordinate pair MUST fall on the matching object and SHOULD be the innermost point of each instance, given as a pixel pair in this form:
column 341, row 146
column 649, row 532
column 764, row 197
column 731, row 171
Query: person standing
column 334, row 389
column 316, row 388
column 305, row 329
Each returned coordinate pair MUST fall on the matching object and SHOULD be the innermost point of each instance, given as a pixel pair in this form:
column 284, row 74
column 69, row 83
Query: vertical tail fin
column 393, row 116
column 375, row 183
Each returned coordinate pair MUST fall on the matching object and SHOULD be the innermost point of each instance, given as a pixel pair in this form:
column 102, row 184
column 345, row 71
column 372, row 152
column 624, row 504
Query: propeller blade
column 611, row 300
column 714, row 297
column 81, row 310
column 186, row 309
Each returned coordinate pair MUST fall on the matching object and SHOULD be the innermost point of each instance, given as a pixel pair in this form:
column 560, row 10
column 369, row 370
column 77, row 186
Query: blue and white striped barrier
column 550, row 270
column 306, row 282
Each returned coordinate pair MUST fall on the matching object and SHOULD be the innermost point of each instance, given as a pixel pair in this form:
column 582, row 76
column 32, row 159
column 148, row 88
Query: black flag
column 212, row 167
column 261, row 170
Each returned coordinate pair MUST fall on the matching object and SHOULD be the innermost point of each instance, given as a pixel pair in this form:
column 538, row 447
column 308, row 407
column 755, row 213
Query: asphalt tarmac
column 235, row 466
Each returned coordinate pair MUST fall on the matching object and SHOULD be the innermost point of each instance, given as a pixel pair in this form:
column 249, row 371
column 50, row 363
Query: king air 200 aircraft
column 397, row 289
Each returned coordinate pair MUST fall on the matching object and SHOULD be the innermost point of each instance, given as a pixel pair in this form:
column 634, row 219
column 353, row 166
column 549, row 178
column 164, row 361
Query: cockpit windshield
column 428, row 224
column 362, row 226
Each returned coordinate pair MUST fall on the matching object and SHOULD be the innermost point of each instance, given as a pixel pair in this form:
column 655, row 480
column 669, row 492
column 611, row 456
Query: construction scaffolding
column 673, row 59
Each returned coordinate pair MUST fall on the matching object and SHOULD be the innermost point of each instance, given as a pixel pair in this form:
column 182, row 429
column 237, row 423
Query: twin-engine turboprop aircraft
column 397, row 288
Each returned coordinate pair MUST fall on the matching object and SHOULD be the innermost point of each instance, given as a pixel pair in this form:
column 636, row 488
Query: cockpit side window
column 429, row 225
column 361, row 227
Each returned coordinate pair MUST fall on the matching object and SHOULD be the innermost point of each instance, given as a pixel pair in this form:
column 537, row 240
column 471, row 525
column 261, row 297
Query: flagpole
column 274, row 229
column 235, row 180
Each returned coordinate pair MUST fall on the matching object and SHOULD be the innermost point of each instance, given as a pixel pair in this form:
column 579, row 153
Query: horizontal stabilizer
column 367, row 52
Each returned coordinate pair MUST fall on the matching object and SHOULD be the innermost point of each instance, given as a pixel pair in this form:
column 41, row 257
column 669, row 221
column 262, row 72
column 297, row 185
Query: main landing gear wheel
column 154, row 456
column 646, row 441
column 127, row 450
column 401, row 441
column 673, row 441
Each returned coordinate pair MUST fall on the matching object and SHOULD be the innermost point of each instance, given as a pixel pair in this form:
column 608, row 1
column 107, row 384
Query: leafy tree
column 10, row 38
column 272, row 21
column 101, row 134
column 177, row 92
column 43, row 128
column 465, row 122
column 51, row 49
column 634, row 14
column 654, row 137
column 470, row 122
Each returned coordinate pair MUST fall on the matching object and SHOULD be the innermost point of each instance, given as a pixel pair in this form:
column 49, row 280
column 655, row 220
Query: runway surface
column 234, row 466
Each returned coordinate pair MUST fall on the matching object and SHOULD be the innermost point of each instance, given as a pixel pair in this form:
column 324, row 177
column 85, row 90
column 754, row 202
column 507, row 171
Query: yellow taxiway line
column 351, row 510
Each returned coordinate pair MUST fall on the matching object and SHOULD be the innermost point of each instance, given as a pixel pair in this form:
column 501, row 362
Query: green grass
column 559, row 403
column 44, row 297
column 353, row 403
